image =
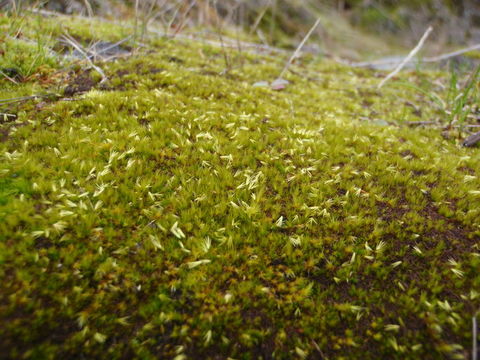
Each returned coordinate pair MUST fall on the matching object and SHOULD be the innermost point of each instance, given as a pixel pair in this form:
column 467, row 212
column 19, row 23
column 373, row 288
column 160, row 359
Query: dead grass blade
column 82, row 51
column 299, row 48
column 408, row 58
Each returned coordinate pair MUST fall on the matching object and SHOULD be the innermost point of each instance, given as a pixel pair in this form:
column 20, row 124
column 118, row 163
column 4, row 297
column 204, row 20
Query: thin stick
column 22, row 98
column 426, row 59
column 153, row 16
column 322, row 356
column 260, row 17
column 184, row 18
column 89, row 8
column 237, row 33
column 14, row 5
column 272, row 22
column 408, row 58
column 228, row 42
column 118, row 43
column 172, row 19
column 8, row 77
column 78, row 47
column 146, row 13
column 425, row 123
column 419, row 123
column 219, row 32
column 452, row 54
column 161, row 14
column 299, row 48
column 135, row 25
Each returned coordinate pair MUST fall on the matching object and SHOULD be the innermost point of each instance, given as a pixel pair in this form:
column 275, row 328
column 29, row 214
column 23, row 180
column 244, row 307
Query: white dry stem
column 260, row 17
column 89, row 8
column 8, row 77
column 135, row 25
column 299, row 48
column 408, row 58
column 23, row 98
column 431, row 59
column 453, row 54
column 184, row 17
column 79, row 48
column 95, row 54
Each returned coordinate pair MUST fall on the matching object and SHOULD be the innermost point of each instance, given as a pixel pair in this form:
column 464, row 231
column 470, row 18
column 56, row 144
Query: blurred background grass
column 353, row 29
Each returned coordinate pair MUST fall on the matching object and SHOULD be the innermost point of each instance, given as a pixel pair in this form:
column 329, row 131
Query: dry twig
column 94, row 54
column 299, row 48
column 79, row 48
column 184, row 18
column 8, row 77
column 24, row 98
column 322, row 356
column 408, row 58
column 220, row 37
column 425, row 60
column 260, row 17
column 420, row 123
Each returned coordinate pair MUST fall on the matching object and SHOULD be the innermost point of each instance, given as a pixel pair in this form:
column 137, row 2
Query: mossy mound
column 178, row 211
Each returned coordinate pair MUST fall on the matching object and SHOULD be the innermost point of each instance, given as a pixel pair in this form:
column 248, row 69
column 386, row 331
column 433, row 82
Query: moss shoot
column 176, row 211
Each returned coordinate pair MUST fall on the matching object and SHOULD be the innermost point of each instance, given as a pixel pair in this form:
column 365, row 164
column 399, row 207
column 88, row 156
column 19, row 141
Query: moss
column 473, row 54
column 178, row 211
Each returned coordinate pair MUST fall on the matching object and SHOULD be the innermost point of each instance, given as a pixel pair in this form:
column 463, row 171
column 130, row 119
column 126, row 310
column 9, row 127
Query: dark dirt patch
column 254, row 315
column 58, row 332
column 431, row 212
column 278, row 261
column 175, row 59
column 82, row 83
column 415, row 109
column 155, row 70
column 12, row 73
column 143, row 121
column 4, row 135
column 39, row 208
column 457, row 237
column 388, row 213
column 367, row 103
column 467, row 170
column 419, row 172
column 209, row 73
column 123, row 72
column 5, row 130
column 406, row 153
column 43, row 243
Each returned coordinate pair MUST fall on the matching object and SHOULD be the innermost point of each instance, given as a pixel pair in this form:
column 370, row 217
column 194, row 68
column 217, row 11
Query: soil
column 80, row 84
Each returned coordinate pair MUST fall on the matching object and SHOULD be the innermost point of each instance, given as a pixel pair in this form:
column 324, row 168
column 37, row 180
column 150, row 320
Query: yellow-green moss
column 177, row 211
column 473, row 54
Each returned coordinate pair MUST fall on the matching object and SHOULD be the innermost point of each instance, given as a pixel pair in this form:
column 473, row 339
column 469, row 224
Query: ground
column 176, row 210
